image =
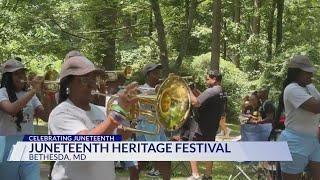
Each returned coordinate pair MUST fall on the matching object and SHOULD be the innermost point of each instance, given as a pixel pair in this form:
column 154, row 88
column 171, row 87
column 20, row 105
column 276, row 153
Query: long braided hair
column 64, row 83
column 7, row 82
column 292, row 75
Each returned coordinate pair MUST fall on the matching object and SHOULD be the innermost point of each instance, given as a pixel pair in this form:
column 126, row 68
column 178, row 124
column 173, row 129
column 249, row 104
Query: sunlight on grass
column 181, row 170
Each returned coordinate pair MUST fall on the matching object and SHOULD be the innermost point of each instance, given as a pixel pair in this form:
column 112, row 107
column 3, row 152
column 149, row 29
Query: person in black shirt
column 210, row 106
column 267, row 108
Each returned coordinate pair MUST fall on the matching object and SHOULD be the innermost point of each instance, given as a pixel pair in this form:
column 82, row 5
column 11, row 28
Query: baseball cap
column 149, row 67
column 78, row 65
column 301, row 62
column 12, row 65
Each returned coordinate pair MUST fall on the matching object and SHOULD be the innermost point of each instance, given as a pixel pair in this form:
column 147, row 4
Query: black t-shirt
column 266, row 108
column 210, row 111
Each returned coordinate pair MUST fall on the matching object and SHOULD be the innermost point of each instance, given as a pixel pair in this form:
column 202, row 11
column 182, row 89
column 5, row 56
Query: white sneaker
column 194, row 178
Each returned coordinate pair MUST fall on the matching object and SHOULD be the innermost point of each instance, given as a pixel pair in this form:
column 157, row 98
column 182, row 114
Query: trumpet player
column 18, row 107
column 76, row 115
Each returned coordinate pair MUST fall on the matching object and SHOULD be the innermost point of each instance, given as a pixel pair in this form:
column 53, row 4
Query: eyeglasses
column 88, row 81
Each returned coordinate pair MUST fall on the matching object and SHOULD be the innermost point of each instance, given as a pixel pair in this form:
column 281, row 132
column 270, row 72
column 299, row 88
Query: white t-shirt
column 7, row 122
column 297, row 118
column 67, row 118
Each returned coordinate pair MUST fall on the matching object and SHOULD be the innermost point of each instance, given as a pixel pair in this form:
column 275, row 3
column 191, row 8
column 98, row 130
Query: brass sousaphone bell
column 171, row 106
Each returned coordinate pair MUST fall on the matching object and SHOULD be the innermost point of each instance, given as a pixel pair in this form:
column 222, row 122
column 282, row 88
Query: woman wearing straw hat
column 302, row 106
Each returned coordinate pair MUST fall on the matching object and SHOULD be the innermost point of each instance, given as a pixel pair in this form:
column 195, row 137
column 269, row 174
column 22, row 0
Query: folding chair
column 253, row 170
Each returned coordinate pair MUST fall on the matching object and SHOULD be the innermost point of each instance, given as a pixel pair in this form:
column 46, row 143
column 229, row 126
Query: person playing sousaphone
column 152, row 73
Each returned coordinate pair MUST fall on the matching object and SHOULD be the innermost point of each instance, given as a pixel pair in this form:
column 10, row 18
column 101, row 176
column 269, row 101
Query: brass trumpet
column 114, row 75
column 169, row 107
column 51, row 81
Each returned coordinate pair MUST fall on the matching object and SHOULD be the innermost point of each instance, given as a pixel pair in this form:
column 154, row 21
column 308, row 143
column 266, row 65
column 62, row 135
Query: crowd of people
column 78, row 110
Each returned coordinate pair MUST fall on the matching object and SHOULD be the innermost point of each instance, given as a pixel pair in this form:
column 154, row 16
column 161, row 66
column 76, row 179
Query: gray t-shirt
column 7, row 122
column 297, row 118
column 209, row 92
column 68, row 119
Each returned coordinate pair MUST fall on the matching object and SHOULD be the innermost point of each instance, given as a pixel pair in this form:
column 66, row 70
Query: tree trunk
column 161, row 36
column 186, row 36
column 224, row 54
column 237, row 5
column 107, row 50
column 186, row 9
column 216, row 33
column 270, row 30
column 128, row 31
column 256, row 18
column 280, row 7
column 150, row 28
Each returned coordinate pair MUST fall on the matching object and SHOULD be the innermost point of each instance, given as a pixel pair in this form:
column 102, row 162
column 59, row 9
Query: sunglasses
column 89, row 81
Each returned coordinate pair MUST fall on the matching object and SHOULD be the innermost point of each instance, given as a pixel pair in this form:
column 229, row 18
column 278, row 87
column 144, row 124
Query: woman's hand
column 127, row 97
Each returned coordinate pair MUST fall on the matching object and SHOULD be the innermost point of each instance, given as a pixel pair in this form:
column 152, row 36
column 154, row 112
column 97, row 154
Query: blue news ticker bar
column 76, row 138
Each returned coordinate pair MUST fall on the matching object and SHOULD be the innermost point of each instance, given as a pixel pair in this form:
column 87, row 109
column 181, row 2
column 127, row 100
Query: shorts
column 199, row 137
column 303, row 148
column 17, row 170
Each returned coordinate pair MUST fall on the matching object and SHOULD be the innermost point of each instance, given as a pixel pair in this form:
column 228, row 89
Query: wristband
column 117, row 117
column 119, row 109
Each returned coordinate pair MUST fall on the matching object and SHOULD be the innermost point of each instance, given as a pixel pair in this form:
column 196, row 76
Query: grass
column 221, row 170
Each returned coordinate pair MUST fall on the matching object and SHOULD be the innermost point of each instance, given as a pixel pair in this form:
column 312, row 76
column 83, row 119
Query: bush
column 274, row 72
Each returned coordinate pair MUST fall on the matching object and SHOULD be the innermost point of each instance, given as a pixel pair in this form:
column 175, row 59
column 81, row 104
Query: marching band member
column 18, row 107
column 302, row 107
column 76, row 115
column 152, row 73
